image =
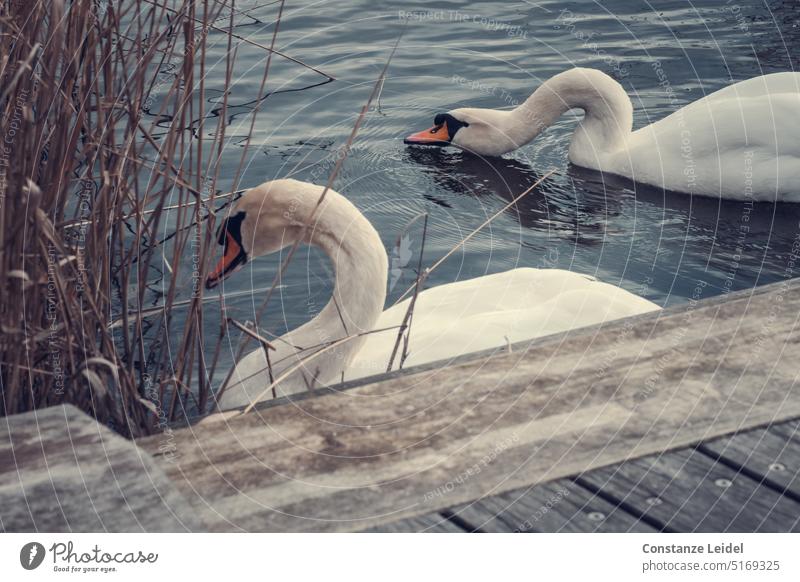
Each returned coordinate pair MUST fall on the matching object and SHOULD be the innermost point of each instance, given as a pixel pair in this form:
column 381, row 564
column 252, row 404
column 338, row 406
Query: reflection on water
column 666, row 54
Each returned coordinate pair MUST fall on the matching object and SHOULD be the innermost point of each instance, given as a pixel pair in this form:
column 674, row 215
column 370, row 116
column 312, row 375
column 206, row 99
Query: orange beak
column 230, row 262
column 437, row 134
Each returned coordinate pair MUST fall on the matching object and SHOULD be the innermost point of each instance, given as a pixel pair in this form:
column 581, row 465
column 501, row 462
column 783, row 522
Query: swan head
column 446, row 127
column 263, row 221
column 480, row 131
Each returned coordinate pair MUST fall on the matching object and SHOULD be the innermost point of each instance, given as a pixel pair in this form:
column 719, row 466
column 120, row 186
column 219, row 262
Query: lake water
column 494, row 54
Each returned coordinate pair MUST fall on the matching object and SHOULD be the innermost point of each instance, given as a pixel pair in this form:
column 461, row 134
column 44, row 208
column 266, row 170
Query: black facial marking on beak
column 453, row 124
column 229, row 236
column 232, row 224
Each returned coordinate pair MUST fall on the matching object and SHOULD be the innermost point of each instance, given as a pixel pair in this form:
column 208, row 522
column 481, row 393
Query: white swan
column 448, row 320
column 742, row 142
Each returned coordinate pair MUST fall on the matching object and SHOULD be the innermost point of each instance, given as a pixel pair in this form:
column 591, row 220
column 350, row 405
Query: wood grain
column 559, row 506
column 421, row 441
column 430, row 523
column 687, row 491
column 770, row 455
column 60, row 471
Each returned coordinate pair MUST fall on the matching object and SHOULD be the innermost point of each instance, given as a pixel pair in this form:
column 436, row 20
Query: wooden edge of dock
column 413, row 443
column 431, row 438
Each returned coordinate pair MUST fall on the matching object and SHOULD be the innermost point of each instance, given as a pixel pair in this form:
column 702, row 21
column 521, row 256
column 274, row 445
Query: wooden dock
column 682, row 420
column 749, row 482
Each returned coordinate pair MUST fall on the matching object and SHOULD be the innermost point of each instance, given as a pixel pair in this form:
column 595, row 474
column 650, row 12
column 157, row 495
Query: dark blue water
column 494, row 54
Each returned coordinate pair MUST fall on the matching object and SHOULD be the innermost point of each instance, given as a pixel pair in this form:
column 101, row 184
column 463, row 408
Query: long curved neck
column 608, row 111
column 361, row 269
column 359, row 262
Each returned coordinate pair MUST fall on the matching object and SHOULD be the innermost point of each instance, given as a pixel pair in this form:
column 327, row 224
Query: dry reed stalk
column 320, row 349
column 404, row 333
column 424, row 275
column 406, row 324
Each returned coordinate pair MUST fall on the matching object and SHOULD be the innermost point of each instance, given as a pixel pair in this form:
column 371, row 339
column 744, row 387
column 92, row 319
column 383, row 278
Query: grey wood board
column 61, row 471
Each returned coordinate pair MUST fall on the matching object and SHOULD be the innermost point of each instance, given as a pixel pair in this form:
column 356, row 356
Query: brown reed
column 100, row 154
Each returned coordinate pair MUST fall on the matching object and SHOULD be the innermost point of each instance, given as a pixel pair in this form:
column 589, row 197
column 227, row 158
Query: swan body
column 494, row 310
column 741, row 142
column 448, row 320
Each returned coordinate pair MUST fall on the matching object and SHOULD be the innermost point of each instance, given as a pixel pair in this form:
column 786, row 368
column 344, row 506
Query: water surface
column 494, row 54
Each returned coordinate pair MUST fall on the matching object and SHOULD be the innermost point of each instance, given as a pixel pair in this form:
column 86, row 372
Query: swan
column 741, row 142
column 448, row 320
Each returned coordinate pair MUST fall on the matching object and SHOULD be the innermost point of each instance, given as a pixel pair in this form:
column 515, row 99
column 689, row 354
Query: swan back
column 496, row 310
column 738, row 143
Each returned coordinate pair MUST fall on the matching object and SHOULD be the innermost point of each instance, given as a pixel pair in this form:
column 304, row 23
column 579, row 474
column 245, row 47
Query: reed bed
column 107, row 144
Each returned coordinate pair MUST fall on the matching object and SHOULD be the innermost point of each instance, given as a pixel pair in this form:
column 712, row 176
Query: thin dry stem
column 467, row 238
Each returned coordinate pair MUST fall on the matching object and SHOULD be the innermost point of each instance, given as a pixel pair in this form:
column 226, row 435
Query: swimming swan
column 741, row 142
column 448, row 320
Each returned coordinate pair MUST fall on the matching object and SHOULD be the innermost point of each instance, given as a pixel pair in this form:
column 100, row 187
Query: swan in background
column 741, row 142
column 448, row 320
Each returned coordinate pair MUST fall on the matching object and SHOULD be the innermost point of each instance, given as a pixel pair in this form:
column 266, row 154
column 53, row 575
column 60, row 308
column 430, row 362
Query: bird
column 353, row 336
column 741, row 142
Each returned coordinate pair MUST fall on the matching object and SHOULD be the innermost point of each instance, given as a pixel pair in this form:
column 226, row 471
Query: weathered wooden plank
column 770, row 455
column 688, row 491
column 559, row 506
column 61, row 471
column 789, row 430
column 420, row 442
column 430, row 523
